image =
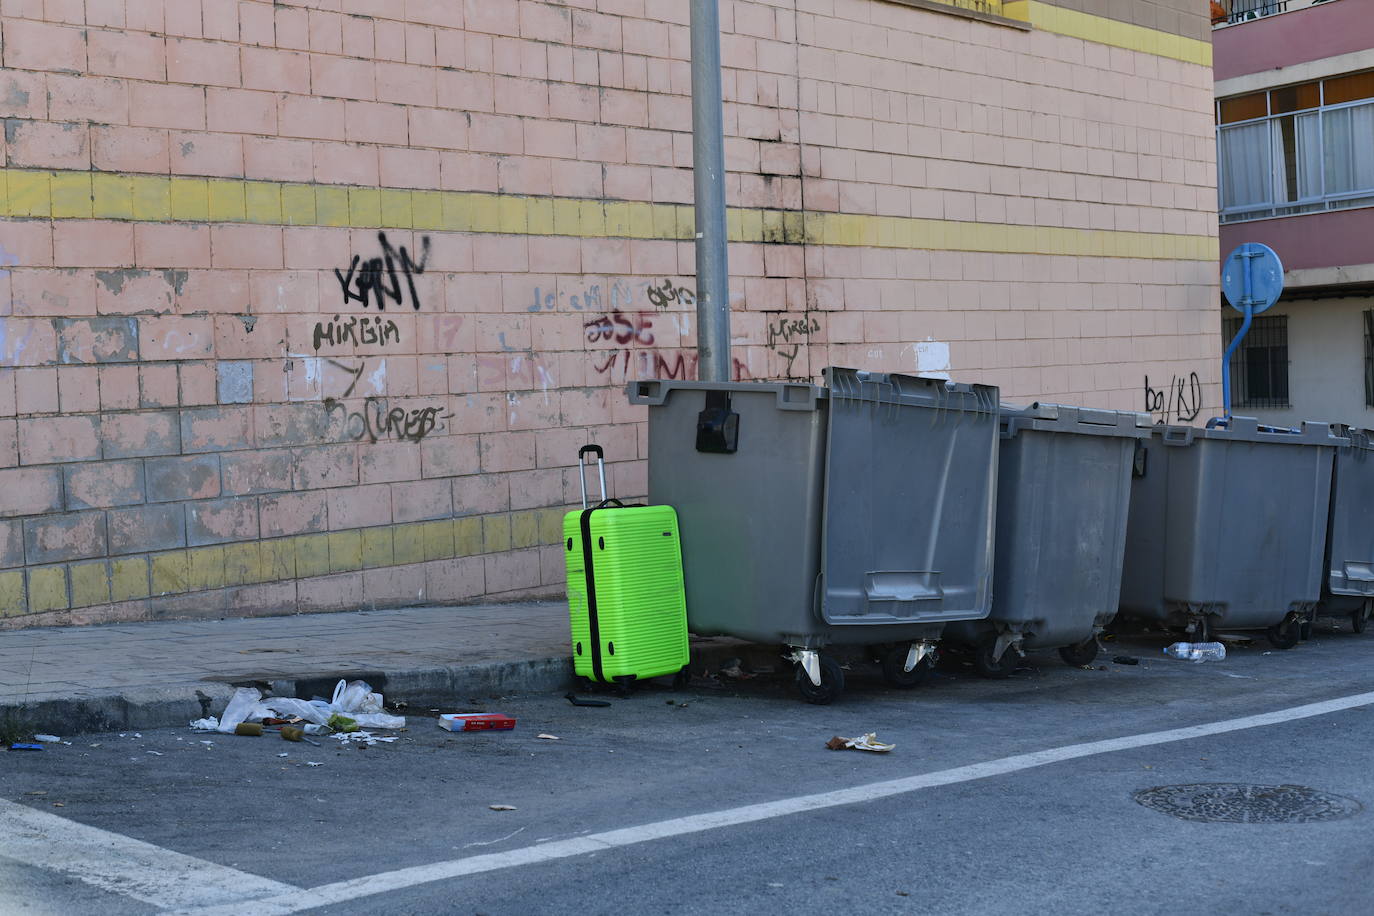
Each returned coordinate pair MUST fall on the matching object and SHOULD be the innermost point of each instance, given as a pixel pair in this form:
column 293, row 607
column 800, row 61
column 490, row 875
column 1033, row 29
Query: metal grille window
column 1369, row 359
column 1259, row 370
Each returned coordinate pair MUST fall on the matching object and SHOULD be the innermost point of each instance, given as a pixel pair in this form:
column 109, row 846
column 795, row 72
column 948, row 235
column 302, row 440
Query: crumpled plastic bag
column 353, row 699
column 244, row 706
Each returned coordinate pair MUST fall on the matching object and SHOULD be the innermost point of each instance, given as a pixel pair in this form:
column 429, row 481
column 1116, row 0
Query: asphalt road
column 609, row 819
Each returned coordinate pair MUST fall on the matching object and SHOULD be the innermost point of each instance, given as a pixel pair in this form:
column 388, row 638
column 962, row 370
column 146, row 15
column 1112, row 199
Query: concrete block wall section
column 309, row 306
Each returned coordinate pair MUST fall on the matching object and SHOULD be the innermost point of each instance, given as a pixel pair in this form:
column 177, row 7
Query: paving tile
column 98, row 659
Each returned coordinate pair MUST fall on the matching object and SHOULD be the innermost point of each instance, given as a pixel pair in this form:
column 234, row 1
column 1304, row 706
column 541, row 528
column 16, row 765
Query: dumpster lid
column 911, row 390
column 1249, row 429
column 1359, row 436
column 790, row 395
column 909, row 471
column 1065, row 418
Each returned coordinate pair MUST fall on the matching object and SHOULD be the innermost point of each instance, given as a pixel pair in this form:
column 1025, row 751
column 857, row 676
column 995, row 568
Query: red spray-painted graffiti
column 636, row 328
column 625, row 365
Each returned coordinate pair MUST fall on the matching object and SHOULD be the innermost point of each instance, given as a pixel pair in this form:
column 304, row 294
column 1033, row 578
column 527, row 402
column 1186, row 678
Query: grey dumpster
column 854, row 514
column 1063, row 492
column 1348, row 587
column 1228, row 526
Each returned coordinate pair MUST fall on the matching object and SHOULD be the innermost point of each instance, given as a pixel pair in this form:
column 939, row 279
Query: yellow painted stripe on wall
column 1106, row 31
column 159, row 198
column 87, row 583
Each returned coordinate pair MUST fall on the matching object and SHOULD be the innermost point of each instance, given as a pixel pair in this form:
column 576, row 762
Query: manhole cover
column 1236, row 803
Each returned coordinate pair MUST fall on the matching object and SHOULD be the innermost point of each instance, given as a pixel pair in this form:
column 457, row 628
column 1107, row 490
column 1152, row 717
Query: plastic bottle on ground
column 1197, row 651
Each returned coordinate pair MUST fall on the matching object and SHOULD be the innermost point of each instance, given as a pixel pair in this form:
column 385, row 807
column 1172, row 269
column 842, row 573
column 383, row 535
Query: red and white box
column 476, row 722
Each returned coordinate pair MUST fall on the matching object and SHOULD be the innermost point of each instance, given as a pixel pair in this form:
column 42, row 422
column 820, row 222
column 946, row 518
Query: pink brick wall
column 176, row 392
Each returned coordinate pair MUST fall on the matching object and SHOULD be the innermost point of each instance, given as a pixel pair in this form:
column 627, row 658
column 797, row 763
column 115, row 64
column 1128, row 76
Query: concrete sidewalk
column 164, row 673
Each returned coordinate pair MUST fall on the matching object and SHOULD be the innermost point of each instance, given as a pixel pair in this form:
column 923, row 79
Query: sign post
column 1252, row 280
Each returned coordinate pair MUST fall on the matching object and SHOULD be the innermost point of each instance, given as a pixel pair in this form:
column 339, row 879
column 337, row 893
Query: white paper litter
column 363, row 737
column 47, row 739
column 868, row 742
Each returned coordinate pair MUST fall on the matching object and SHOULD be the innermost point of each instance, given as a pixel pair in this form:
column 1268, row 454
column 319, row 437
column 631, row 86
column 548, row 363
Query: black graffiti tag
column 378, row 421
column 786, row 330
column 665, row 295
column 338, row 332
column 1182, row 400
column 380, row 279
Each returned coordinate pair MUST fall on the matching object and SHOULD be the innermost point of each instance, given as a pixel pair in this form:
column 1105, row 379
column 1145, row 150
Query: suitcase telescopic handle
column 582, row 454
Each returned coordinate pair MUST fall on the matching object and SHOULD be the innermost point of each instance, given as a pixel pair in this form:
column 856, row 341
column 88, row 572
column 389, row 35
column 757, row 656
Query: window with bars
column 1259, row 370
column 1369, row 359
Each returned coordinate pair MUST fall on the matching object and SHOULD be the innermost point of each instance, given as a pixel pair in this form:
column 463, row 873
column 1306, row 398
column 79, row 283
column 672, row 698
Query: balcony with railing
column 1233, row 12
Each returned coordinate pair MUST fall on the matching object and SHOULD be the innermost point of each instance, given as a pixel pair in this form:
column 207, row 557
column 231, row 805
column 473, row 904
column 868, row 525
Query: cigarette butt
column 252, row 729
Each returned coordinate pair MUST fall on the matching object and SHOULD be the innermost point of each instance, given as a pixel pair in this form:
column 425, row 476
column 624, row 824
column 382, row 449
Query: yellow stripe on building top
column 1106, row 31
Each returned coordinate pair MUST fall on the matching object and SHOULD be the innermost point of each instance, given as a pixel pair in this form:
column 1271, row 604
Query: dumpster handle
column 797, row 397
column 651, row 393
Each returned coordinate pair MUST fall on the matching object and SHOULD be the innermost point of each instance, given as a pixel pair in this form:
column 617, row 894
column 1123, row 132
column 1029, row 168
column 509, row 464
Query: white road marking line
column 113, row 862
column 384, row 882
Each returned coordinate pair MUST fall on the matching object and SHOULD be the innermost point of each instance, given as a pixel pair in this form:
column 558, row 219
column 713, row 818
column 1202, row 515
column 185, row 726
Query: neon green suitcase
column 626, row 601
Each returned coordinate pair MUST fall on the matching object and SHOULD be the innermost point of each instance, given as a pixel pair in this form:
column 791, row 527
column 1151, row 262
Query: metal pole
column 1226, row 362
column 708, row 173
column 1247, row 304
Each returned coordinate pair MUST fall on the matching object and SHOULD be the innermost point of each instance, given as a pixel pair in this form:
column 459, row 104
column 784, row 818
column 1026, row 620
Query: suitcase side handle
column 582, row 454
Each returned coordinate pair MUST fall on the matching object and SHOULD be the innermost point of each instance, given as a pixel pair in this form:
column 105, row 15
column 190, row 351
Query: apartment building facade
column 1295, row 134
column 309, row 304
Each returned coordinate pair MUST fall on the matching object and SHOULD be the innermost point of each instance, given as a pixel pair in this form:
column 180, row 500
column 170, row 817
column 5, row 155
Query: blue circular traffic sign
column 1266, row 277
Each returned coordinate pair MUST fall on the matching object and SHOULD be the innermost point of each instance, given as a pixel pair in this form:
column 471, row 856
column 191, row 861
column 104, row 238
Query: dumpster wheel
column 986, row 663
column 1081, row 654
column 830, row 687
column 1286, row 633
column 1203, row 629
column 894, row 668
column 1360, row 619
